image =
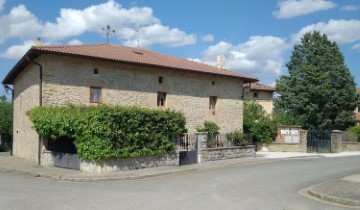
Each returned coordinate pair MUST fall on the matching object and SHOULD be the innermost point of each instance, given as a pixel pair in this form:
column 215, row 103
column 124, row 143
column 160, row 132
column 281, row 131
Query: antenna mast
column 108, row 32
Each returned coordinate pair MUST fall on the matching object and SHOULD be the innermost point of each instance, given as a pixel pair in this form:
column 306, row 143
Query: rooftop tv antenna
column 108, row 31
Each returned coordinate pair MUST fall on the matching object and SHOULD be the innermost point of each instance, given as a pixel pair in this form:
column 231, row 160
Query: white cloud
column 208, row 38
column 2, row 3
column 350, row 8
column 195, row 60
column 74, row 42
column 293, row 8
column 340, row 31
column 17, row 51
column 158, row 34
column 74, row 22
column 356, row 46
column 260, row 56
column 19, row 23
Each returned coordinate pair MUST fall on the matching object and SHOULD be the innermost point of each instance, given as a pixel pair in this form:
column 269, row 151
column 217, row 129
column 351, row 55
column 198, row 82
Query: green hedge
column 103, row 132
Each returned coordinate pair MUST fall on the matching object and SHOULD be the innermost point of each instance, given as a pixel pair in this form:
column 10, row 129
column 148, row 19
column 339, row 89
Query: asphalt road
column 273, row 185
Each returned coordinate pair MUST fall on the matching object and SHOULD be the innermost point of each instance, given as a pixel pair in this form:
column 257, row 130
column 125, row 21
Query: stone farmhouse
column 262, row 94
column 118, row 75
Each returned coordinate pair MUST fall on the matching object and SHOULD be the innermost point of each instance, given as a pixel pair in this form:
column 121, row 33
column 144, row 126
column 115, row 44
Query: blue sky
column 255, row 37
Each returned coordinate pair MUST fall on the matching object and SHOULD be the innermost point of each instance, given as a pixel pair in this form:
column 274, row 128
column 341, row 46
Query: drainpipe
column 40, row 101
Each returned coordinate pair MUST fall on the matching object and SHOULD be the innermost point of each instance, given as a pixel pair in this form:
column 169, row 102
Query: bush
column 104, row 132
column 258, row 123
column 209, row 127
column 237, row 138
column 355, row 129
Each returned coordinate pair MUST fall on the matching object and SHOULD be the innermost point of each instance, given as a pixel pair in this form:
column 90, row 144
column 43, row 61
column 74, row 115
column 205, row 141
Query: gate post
column 303, row 140
column 336, row 141
column 201, row 145
column 177, row 148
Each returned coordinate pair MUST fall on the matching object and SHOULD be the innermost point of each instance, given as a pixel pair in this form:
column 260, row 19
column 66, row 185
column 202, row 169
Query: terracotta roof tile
column 258, row 86
column 137, row 56
column 358, row 90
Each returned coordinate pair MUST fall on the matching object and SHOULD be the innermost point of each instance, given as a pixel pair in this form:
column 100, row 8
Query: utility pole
column 108, row 32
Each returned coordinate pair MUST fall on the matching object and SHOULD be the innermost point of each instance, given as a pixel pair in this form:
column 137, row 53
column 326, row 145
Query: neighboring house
column 110, row 74
column 357, row 110
column 263, row 94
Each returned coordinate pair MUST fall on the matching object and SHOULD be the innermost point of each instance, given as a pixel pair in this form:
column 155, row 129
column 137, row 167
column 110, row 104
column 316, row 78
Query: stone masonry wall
column 288, row 147
column 68, row 80
column 129, row 164
column 212, row 154
column 350, row 146
column 26, row 96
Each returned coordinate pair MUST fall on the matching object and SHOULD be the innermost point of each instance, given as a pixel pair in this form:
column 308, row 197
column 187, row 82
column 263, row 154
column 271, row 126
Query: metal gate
column 319, row 141
column 188, row 149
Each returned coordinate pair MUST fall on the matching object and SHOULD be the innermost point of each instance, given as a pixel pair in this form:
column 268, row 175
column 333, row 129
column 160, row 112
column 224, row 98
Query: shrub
column 237, row 138
column 258, row 123
column 355, row 129
column 104, row 132
column 209, row 127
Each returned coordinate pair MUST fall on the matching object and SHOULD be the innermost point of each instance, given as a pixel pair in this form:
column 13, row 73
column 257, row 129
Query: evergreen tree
column 319, row 91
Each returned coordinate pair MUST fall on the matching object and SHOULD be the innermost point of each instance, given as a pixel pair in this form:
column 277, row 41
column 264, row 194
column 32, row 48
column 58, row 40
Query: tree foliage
column 258, row 123
column 319, row 91
column 5, row 116
column 104, row 132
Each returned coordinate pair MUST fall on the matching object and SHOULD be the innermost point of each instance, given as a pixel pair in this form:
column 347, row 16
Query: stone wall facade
column 67, row 80
column 213, row 154
column 26, row 96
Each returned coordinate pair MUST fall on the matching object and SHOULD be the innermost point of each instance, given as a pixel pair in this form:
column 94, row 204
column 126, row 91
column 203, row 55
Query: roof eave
column 19, row 66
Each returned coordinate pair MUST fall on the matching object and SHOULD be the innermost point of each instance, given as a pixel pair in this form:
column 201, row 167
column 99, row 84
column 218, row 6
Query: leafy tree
column 319, row 91
column 5, row 123
column 258, row 123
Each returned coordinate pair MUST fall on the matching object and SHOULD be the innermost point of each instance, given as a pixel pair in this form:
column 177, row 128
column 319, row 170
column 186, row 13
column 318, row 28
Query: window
column 161, row 98
column 256, row 95
column 213, row 82
column 160, row 80
column 95, row 94
column 96, row 71
column 212, row 102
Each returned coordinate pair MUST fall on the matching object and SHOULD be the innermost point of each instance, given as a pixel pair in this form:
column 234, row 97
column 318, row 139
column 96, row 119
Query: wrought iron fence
column 188, row 142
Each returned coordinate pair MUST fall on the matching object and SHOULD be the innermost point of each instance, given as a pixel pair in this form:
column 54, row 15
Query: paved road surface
column 273, row 185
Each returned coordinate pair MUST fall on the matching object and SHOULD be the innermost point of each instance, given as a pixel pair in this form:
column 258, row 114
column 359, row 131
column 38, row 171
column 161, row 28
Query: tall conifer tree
column 319, row 91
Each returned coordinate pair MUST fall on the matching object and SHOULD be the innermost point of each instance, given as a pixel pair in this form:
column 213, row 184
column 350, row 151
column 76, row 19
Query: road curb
column 144, row 176
column 318, row 194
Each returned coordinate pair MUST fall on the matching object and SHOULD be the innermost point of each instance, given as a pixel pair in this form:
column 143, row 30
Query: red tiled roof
column 130, row 55
column 258, row 86
column 358, row 90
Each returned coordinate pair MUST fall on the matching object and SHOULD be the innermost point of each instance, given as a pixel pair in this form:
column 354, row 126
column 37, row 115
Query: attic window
column 160, row 80
column 213, row 82
column 138, row 52
column 96, row 71
column 256, row 95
